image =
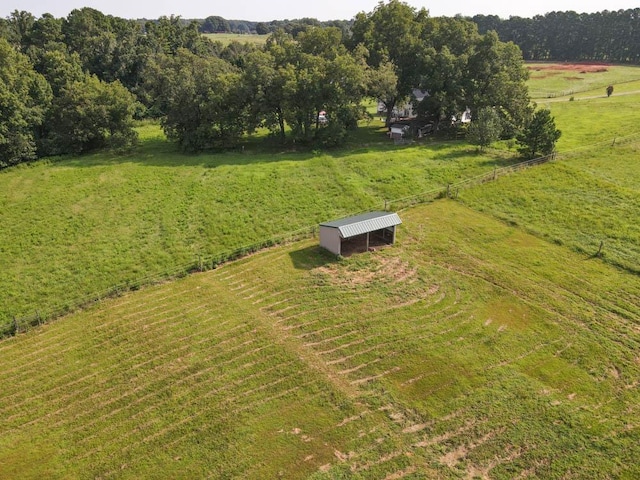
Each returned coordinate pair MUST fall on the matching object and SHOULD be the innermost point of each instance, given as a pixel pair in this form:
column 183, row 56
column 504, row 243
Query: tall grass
column 74, row 227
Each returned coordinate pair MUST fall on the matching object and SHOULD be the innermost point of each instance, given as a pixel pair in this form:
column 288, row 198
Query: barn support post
column 367, row 242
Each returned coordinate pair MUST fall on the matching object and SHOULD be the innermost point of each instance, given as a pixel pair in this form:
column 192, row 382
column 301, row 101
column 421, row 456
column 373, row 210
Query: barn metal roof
column 366, row 222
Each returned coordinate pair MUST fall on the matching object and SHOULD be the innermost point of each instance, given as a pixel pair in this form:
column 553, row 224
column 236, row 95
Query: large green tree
column 215, row 24
column 496, row 77
column 293, row 80
column 169, row 34
column 89, row 114
column 540, row 135
column 327, row 78
column 202, row 99
column 24, row 99
column 464, row 69
column 485, row 128
column 88, row 32
column 391, row 34
column 265, row 75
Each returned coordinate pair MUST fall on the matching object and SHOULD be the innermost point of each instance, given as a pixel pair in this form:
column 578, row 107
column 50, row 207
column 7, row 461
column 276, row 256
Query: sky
column 265, row 10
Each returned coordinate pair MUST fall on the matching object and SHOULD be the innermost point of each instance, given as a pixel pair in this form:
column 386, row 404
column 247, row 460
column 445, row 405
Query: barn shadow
column 312, row 257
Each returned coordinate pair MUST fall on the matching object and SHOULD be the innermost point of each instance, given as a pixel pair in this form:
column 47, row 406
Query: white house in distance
column 465, row 117
column 405, row 110
column 359, row 233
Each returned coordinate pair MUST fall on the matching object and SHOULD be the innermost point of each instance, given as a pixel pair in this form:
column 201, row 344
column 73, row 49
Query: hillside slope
column 468, row 349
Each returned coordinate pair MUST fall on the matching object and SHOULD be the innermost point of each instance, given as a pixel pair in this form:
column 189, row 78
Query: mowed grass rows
column 468, row 349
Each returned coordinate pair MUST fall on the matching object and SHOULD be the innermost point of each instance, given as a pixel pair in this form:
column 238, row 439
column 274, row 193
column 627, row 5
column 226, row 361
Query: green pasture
column 74, row 227
column 496, row 339
column 547, row 83
column 590, row 121
column 227, row 38
column 470, row 349
column 580, row 201
column 590, row 195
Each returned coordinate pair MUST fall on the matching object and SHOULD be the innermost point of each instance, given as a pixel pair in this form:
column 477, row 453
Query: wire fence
column 452, row 189
column 203, row 263
column 548, row 94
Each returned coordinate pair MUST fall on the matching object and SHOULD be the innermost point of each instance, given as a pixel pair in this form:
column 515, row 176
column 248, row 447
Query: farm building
column 398, row 131
column 359, row 233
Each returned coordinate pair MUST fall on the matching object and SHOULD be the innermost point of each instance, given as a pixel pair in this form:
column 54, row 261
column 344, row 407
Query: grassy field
column 489, row 342
column 552, row 80
column 587, row 122
column 592, row 194
column 469, row 349
column 77, row 226
column 579, row 202
column 227, row 38
column 74, row 228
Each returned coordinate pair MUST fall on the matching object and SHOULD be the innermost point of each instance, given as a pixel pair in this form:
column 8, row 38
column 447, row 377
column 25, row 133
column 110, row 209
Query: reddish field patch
column 571, row 67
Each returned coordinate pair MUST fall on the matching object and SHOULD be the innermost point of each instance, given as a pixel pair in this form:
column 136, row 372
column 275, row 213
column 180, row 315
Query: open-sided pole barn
column 359, row 233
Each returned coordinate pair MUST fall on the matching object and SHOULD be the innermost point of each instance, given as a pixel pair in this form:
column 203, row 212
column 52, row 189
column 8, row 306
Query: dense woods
column 607, row 36
column 75, row 84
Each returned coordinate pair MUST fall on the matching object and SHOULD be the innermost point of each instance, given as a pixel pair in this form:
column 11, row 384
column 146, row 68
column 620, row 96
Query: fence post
column 494, row 173
column 448, row 190
column 614, row 142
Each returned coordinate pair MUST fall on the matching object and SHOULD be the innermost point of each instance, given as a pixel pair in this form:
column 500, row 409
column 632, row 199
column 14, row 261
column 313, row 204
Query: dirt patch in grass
column 393, row 269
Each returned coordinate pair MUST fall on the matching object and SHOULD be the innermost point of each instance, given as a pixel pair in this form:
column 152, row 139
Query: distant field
column 227, row 38
column 470, row 349
column 551, row 80
column 589, row 121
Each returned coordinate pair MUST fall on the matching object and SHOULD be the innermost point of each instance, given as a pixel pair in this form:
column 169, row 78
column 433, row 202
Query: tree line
column 74, row 84
column 606, row 36
column 217, row 24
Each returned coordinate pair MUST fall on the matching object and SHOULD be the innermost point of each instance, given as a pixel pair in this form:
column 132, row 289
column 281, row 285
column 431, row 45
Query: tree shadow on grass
column 157, row 151
column 501, row 162
column 312, row 257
